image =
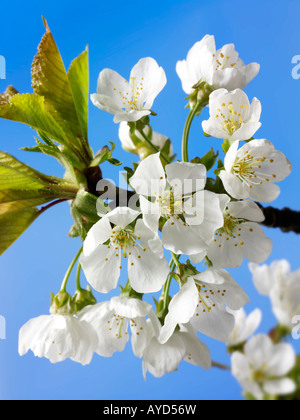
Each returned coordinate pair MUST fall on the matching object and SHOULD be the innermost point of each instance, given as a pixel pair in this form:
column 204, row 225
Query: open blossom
column 282, row 286
column 192, row 214
column 157, row 139
column 232, row 116
column 244, row 327
column 161, row 358
column 130, row 100
column 219, row 68
column 261, row 370
column 111, row 321
column 240, row 237
column 252, row 170
column 58, row 337
column 105, row 246
column 201, row 301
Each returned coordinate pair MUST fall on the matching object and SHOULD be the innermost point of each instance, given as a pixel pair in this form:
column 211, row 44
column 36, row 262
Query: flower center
column 170, row 204
column 130, row 97
column 123, row 238
column 230, row 224
column 249, row 170
column 222, row 61
column 209, row 295
column 235, row 121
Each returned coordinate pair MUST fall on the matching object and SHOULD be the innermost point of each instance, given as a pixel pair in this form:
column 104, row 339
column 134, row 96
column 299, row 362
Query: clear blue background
column 118, row 34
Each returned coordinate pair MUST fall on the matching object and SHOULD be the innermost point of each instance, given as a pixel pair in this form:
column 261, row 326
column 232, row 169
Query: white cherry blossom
column 282, row 286
column 111, row 321
column 58, row 337
column 262, row 369
column 192, row 214
column 105, row 246
column 201, row 301
column 240, row 237
column 161, row 358
column 232, row 116
column 130, row 100
column 245, row 326
column 219, row 68
column 252, row 170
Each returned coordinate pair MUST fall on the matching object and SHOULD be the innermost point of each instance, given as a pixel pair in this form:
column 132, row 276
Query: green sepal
column 129, row 292
column 62, row 304
column 83, row 298
column 84, row 212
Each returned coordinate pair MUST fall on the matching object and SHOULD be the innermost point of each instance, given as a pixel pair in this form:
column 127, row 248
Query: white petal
column 147, row 271
column 149, row 178
column 97, row 235
column 256, row 246
column 150, row 79
column 181, row 238
column 122, row 216
column 163, row 358
column 258, row 351
column 189, row 176
column 283, row 386
column 102, row 268
column 246, row 210
column 197, row 353
column 129, row 307
column 181, row 309
column 282, row 360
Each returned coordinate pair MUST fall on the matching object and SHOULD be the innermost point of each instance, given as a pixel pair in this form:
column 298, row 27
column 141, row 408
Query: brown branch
column 285, row 219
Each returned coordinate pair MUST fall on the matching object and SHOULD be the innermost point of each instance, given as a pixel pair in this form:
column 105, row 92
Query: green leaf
column 30, row 109
column 12, row 200
column 13, row 224
column 50, row 80
column 105, row 154
column 16, row 175
column 79, row 82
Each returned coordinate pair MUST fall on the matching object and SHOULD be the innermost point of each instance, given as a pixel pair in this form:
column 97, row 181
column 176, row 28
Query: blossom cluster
column 179, row 214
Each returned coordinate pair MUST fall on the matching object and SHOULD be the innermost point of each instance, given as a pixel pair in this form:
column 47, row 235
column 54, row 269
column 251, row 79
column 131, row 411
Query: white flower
column 161, row 358
column 130, row 100
column 231, row 115
column 192, row 214
column 240, row 237
column 262, row 368
column 58, row 337
column 147, row 267
column 157, row 139
column 201, row 302
column 245, row 326
column 219, row 68
column 251, row 171
column 111, row 320
column 282, row 286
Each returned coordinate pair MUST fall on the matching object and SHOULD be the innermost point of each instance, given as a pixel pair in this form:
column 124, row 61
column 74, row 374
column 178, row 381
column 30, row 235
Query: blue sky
column 119, row 34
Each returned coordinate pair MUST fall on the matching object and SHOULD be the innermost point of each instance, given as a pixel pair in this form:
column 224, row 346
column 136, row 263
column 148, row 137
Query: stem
column 155, row 148
column 68, row 273
column 175, row 259
column 220, row 366
column 78, row 285
column 43, row 209
column 187, row 127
